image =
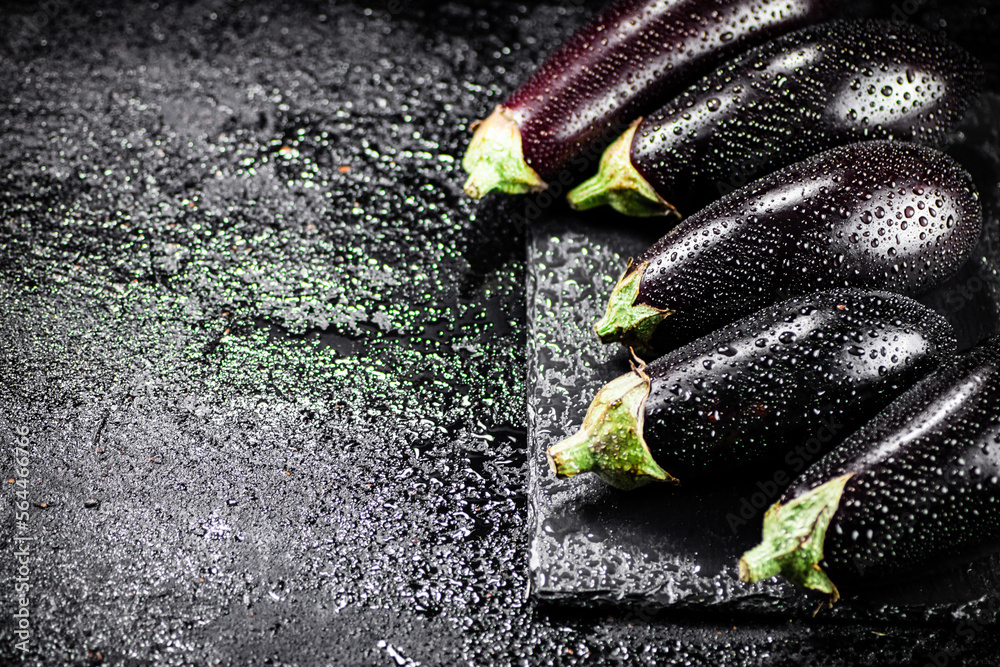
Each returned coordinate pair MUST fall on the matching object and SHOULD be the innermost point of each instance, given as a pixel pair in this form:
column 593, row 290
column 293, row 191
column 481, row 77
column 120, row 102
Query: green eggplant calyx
column 610, row 442
column 793, row 537
column 630, row 322
column 495, row 158
column 619, row 184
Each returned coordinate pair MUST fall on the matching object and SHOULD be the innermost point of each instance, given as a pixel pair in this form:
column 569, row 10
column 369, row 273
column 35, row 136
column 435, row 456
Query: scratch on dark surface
column 100, row 428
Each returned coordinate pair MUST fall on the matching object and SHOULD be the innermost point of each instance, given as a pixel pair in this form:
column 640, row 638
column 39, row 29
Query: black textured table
column 268, row 364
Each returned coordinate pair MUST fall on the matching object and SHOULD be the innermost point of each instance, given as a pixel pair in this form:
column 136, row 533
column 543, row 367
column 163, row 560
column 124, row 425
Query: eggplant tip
column 744, row 570
column 553, row 465
column 607, row 330
column 571, row 456
column 495, row 158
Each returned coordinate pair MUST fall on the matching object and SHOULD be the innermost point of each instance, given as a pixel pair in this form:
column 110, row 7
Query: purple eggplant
column 624, row 62
column 915, row 491
column 751, row 391
column 803, row 93
column 875, row 215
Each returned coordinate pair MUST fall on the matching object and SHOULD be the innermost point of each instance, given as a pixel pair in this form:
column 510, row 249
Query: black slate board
column 667, row 548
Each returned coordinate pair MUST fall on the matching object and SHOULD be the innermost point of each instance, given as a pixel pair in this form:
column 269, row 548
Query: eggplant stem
column 619, row 184
column 495, row 158
column 610, row 442
column 625, row 320
column 793, row 537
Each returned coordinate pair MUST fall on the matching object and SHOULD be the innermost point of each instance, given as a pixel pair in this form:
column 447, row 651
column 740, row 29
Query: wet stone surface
column 269, row 363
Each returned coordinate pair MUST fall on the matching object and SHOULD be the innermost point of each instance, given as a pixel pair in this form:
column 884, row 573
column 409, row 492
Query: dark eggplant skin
column 919, row 485
column 625, row 61
column 800, row 94
column 748, row 393
column 874, row 215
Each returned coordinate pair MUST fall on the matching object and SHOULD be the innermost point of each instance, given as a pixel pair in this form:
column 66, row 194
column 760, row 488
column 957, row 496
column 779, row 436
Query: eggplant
column 624, row 62
column 873, row 215
column 809, row 91
column 755, row 389
column 914, row 492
